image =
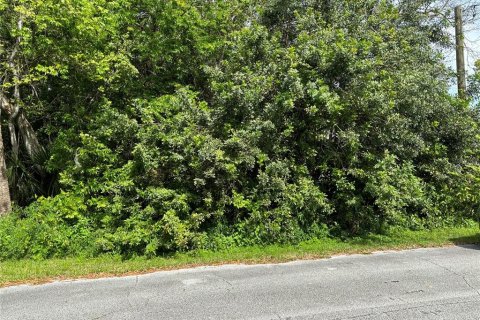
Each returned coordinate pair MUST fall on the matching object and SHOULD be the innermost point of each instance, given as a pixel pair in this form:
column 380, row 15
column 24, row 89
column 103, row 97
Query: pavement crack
column 131, row 290
column 387, row 313
column 129, row 293
column 104, row 315
column 415, row 291
column 229, row 287
column 464, row 277
column 224, row 280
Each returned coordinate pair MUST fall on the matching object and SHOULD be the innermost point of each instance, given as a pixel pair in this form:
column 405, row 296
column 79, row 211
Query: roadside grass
column 42, row 271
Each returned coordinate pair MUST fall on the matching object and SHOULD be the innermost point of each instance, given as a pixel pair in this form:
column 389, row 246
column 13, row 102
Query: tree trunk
column 5, row 202
column 15, row 102
column 29, row 137
column 27, row 133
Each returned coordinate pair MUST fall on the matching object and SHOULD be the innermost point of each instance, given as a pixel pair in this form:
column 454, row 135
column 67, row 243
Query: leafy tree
column 474, row 83
column 49, row 49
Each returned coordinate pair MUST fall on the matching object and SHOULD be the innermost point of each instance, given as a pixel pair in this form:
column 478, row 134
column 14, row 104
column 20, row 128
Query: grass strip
column 42, row 271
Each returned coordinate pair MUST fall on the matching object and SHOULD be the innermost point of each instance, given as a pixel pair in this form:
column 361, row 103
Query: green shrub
column 51, row 227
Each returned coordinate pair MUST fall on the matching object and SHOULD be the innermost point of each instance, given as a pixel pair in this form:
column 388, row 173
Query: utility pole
column 461, row 80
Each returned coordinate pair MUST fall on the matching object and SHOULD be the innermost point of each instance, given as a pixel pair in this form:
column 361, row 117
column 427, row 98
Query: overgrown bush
column 54, row 227
column 248, row 123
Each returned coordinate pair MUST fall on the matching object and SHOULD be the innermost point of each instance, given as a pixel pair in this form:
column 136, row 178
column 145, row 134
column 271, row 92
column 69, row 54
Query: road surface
column 414, row 284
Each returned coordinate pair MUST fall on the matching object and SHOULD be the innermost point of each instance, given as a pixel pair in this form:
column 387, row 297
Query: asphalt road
column 414, row 284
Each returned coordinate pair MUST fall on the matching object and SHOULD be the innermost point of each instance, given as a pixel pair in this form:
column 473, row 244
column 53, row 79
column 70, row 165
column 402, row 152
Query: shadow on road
column 469, row 246
column 469, row 242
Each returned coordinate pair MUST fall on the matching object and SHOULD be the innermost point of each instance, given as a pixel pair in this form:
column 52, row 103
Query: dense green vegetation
column 143, row 127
